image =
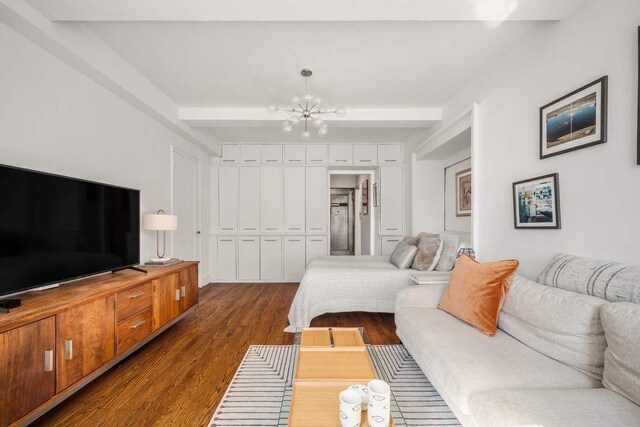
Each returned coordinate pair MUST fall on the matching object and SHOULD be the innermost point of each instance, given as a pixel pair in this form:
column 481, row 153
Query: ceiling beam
column 355, row 117
column 296, row 10
column 85, row 52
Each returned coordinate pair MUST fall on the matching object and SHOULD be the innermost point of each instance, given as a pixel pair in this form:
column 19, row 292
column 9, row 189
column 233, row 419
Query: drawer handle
column 390, row 161
column 316, row 240
column 249, row 229
column 248, row 240
column 177, row 294
column 318, row 160
column 270, row 228
column 270, row 240
column 48, row 360
column 137, row 295
column 391, row 229
column 226, row 240
column 249, row 160
column 227, row 228
column 316, row 228
column 294, row 240
column 393, row 240
column 270, row 160
column 228, row 160
column 365, row 161
column 183, row 291
column 138, row 324
column 341, row 160
column 294, row 228
column 294, row 160
column 68, row 349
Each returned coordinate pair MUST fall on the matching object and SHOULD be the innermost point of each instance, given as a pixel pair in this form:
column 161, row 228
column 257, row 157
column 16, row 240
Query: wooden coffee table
column 329, row 361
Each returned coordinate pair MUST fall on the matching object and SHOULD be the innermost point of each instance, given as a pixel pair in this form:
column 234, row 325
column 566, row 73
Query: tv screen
column 54, row 229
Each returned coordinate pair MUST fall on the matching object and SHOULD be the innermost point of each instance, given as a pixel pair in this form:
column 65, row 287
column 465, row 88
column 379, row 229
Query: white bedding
column 347, row 283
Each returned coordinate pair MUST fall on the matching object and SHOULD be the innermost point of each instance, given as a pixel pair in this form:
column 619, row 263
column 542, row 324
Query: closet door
column 341, row 154
column 316, row 247
column 365, row 154
column 294, row 258
column 227, row 257
column 271, row 199
column 271, row 258
column 249, row 211
column 249, row 258
column 317, row 200
column 271, row 155
column 294, row 196
column 294, row 154
column 228, row 199
column 250, row 155
column 391, row 200
column 389, row 154
column 316, row 155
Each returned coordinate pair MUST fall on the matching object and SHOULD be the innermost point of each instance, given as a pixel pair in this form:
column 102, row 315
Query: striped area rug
column 260, row 392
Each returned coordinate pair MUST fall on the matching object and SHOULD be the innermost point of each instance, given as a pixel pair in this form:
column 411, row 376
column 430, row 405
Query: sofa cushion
column 477, row 290
column 593, row 407
column 429, row 249
column 621, row 323
column 608, row 280
column 465, row 362
column 402, row 256
column 561, row 324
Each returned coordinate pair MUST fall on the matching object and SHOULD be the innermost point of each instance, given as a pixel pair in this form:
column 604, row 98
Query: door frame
column 198, row 193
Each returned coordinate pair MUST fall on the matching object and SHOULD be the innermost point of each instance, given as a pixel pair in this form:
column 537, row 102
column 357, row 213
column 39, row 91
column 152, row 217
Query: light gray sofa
column 559, row 358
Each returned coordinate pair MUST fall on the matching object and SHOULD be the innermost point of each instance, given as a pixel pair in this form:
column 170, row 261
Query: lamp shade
column 160, row 222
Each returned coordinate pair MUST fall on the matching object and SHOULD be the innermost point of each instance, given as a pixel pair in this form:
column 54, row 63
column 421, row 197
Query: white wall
column 600, row 185
column 343, row 181
column 55, row 119
column 456, row 163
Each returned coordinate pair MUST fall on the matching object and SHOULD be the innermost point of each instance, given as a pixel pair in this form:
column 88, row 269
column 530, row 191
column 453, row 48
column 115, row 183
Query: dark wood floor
column 179, row 378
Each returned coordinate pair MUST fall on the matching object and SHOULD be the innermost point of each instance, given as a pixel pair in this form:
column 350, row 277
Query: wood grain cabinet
column 188, row 281
column 85, row 340
column 166, row 300
column 27, row 368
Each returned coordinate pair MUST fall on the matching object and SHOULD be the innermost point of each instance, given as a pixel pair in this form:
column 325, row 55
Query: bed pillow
column 410, row 240
column 450, row 245
column 402, row 256
column 429, row 250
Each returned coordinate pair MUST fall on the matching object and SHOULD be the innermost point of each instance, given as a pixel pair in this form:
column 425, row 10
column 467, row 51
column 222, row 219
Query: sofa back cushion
column 563, row 325
column 621, row 323
column 608, row 280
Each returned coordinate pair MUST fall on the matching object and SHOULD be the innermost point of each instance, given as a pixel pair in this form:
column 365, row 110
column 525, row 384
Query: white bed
column 338, row 284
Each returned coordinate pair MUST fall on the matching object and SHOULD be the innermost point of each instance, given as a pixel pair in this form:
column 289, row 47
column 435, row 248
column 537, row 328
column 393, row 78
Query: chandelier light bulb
column 306, row 134
column 317, row 101
column 286, row 127
column 318, row 122
column 272, row 109
column 294, row 120
column 295, row 100
column 323, row 130
column 341, row 111
column 307, row 97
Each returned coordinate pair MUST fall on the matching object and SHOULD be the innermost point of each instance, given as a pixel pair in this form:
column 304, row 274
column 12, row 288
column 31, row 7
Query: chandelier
column 307, row 109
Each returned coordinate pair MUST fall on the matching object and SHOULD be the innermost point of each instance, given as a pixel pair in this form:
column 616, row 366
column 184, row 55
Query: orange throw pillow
column 476, row 292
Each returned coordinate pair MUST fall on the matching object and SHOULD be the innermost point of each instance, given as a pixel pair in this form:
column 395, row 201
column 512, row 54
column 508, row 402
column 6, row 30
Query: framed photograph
column 365, row 197
column 575, row 121
column 375, row 194
column 463, row 193
column 536, row 202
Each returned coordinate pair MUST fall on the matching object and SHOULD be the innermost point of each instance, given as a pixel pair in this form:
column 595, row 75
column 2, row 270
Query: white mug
column 379, row 406
column 350, row 408
column 364, row 393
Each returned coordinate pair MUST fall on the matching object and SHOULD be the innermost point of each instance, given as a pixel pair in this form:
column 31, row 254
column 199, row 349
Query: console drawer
column 133, row 301
column 134, row 330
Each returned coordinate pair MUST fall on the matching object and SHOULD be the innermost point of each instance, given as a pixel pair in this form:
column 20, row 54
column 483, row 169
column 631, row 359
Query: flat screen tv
column 55, row 229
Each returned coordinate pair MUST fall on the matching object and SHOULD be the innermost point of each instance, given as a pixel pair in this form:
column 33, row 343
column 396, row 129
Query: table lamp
column 160, row 222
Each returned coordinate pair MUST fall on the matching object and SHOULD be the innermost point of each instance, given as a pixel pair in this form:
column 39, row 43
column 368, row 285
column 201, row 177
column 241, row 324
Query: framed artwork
column 536, row 202
column 577, row 120
column 463, row 193
column 365, row 197
column 375, row 194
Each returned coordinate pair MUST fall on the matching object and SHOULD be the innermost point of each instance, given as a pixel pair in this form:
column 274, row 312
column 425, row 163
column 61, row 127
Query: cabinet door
column 166, row 300
column 188, row 282
column 230, row 154
column 228, row 199
column 341, row 154
column 271, row 258
column 316, row 155
column 249, row 258
column 250, row 155
column 294, row 154
column 316, row 247
column 27, row 368
column 317, row 210
column 389, row 154
column 227, row 256
column 294, row 196
column 391, row 200
column 85, row 340
column 294, row 258
column 249, row 211
column 271, row 155
column 271, row 199
column 389, row 243
column 365, row 154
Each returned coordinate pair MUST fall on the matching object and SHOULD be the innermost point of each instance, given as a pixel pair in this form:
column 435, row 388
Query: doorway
column 342, row 221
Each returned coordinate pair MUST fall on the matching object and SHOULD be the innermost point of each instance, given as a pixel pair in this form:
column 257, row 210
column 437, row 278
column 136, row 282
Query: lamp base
column 163, row 259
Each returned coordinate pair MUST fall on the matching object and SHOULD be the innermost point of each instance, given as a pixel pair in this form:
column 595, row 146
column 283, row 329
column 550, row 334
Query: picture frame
column 375, row 195
column 463, row 193
column 536, row 203
column 575, row 121
column 365, row 197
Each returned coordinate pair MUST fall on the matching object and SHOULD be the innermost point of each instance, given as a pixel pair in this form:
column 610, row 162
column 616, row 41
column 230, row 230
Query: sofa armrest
column 420, row 296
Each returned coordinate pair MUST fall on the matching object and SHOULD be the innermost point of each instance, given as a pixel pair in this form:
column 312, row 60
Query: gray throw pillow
column 450, row 244
column 410, row 240
column 429, row 250
column 402, row 256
